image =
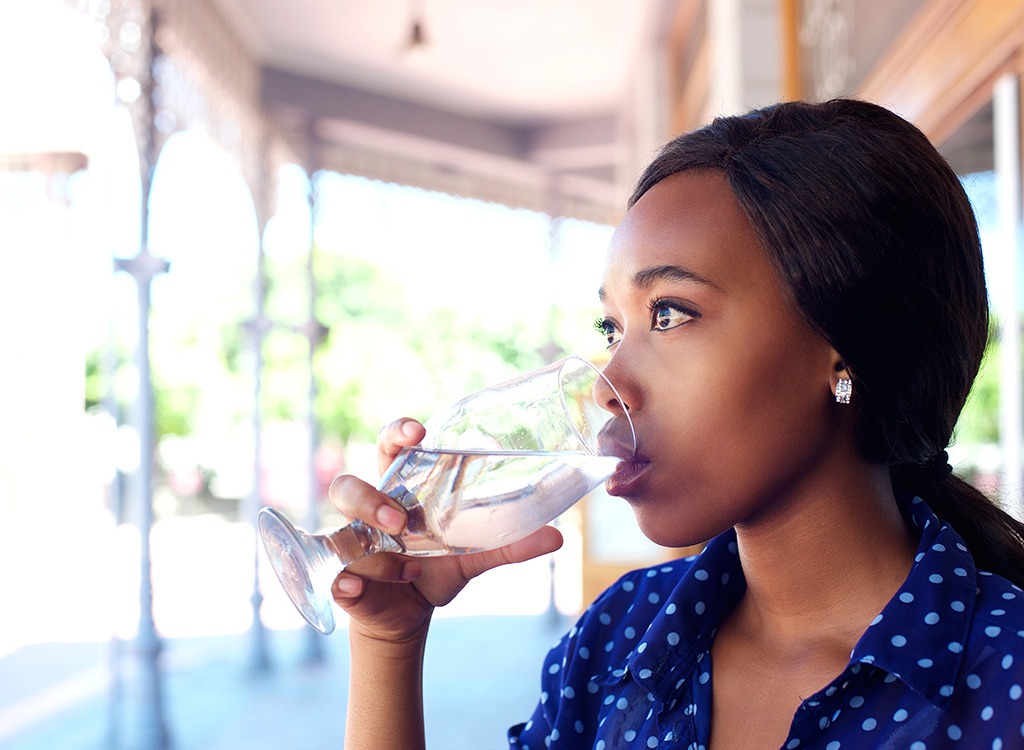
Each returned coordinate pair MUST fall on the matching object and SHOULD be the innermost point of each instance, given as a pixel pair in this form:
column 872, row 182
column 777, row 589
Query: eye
column 608, row 329
column 667, row 315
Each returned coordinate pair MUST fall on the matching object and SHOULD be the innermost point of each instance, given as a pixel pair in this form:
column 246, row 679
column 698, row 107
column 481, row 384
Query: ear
column 841, row 382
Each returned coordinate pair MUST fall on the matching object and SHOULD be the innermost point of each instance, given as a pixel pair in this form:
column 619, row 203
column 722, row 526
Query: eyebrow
column 648, row 277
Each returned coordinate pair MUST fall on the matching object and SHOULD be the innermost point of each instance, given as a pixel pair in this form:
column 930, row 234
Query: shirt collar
column 919, row 636
column 682, row 631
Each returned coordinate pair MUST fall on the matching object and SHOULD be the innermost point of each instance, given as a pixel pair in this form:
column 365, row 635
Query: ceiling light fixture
column 417, row 43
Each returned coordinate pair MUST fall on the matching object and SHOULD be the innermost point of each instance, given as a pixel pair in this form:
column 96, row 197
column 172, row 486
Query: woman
column 795, row 309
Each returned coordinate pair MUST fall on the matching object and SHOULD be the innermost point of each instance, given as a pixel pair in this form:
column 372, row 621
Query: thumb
column 541, row 542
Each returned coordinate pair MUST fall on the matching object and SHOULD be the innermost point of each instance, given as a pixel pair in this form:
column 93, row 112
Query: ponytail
column 994, row 538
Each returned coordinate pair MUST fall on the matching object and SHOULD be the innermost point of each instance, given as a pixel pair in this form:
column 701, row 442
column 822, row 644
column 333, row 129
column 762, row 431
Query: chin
column 680, row 517
column 675, row 534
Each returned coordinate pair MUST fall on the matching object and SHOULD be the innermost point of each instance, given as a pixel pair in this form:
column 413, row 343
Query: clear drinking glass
column 492, row 468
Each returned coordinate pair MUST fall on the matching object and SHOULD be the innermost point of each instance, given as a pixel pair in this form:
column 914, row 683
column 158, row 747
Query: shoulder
column 640, row 592
column 594, row 653
column 610, row 625
column 987, row 696
column 998, row 597
column 998, row 621
column 693, row 591
column 685, row 598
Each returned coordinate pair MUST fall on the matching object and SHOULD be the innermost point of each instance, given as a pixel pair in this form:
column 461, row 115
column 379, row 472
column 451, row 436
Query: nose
column 611, row 391
column 619, row 430
column 607, row 396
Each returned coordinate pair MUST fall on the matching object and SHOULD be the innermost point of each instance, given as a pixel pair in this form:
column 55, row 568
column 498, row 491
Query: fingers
column 393, row 437
column 357, row 500
column 347, row 587
column 351, row 582
column 540, row 542
column 445, row 580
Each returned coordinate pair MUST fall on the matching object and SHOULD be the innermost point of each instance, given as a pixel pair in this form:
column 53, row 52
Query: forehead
column 691, row 220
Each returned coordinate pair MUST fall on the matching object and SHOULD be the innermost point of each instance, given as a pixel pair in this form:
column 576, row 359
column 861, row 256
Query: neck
column 821, row 566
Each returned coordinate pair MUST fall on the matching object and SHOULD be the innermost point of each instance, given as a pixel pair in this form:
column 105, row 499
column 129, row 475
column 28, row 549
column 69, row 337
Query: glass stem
column 357, row 540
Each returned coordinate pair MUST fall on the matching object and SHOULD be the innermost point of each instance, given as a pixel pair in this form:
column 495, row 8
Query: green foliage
column 285, row 380
column 95, row 379
column 351, row 289
column 176, row 408
column 979, row 420
column 233, row 345
column 386, row 356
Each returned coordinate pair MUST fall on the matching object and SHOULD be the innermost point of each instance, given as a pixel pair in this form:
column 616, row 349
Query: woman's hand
column 391, row 597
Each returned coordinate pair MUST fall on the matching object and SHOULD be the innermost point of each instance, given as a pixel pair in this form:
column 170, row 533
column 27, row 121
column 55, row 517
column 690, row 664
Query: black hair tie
column 938, row 468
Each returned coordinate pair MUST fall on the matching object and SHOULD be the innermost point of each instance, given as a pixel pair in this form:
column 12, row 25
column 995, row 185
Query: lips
column 628, row 477
column 616, row 439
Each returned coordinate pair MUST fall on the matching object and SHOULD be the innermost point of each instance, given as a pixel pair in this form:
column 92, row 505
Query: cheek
column 770, row 364
column 759, row 409
column 780, row 432
column 783, row 391
column 740, row 387
column 730, row 437
column 784, row 396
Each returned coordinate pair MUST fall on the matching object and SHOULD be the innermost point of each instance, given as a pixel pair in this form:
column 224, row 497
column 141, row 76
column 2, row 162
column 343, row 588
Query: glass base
column 299, row 562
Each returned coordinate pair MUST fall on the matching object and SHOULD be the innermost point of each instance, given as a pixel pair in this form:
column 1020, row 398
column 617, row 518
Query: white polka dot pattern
column 941, row 667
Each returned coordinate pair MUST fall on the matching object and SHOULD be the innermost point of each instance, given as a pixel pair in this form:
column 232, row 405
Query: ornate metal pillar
column 315, row 332
column 257, row 327
column 206, row 76
column 144, row 267
column 152, row 731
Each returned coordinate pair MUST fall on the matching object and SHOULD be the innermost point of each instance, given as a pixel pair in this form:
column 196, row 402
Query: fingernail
column 409, row 429
column 389, row 518
column 348, row 586
column 411, row 571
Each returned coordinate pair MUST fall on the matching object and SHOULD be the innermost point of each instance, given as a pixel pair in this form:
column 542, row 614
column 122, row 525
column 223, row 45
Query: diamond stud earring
column 844, row 389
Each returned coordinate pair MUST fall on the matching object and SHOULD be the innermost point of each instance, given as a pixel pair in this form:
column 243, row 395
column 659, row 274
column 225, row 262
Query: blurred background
column 238, row 236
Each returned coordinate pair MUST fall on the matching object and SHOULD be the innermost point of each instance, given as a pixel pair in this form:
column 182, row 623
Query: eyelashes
column 607, row 329
column 665, row 315
column 669, row 314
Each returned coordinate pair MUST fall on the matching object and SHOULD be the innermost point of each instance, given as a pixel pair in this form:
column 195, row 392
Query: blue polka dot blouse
column 942, row 666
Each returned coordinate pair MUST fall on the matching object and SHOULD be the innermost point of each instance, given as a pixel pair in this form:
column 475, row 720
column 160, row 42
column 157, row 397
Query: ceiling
column 519, row 61
column 515, row 89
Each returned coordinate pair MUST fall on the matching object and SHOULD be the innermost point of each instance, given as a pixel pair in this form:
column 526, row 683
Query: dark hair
column 871, row 233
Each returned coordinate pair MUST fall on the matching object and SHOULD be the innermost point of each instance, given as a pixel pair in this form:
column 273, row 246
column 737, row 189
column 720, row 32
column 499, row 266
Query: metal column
column 315, row 332
column 1006, row 110
column 143, row 268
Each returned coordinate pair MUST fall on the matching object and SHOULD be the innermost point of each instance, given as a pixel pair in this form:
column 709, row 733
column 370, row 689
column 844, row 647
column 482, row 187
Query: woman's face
column 727, row 386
